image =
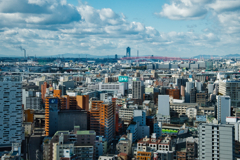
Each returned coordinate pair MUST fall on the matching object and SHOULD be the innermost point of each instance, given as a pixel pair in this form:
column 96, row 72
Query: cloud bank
column 48, row 27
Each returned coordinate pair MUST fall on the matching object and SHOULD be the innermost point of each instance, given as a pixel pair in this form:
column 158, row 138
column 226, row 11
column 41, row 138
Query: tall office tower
column 11, row 130
column 137, row 89
column 163, row 105
column 43, row 91
column 128, row 52
column 116, row 56
column 102, row 119
column 223, row 108
column 230, row 88
column 216, row 141
column 51, row 116
column 189, row 86
column 83, row 102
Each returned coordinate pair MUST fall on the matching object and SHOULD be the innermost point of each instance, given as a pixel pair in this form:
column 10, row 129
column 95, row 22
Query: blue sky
column 178, row 28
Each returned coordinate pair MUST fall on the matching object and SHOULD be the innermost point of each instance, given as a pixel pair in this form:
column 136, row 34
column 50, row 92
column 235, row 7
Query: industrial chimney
column 24, row 53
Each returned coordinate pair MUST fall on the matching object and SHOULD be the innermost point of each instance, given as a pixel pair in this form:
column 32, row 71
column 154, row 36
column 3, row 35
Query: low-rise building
column 180, row 108
column 81, row 144
column 125, row 145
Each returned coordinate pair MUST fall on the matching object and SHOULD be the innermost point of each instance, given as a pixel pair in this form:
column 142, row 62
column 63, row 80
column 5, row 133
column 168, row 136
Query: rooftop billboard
column 123, row 79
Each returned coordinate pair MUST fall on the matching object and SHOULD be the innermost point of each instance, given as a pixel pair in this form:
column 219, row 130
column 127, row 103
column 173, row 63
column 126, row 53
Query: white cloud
column 47, row 12
column 57, row 27
column 230, row 22
column 184, row 9
column 225, row 5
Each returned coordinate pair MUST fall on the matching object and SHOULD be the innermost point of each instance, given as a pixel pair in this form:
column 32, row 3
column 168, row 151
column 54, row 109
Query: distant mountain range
column 72, row 55
column 75, row 55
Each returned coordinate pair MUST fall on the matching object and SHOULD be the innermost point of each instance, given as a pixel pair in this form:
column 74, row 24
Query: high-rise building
column 44, row 90
column 223, row 108
column 102, row 119
column 216, row 141
column 11, row 130
column 57, row 117
column 128, row 52
column 83, row 102
column 209, row 65
column 163, row 105
column 189, row 87
column 193, row 95
column 51, row 115
column 137, row 89
column 181, row 82
column 230, row 88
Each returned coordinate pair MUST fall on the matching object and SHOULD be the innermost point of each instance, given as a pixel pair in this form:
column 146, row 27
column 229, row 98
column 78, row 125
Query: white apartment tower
column 223, row 108
column 216, row 141
column 11, row 130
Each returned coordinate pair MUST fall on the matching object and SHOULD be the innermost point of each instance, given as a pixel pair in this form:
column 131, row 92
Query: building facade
column 230, row 88
column 216, row 141
column 137, row 90
column 223, row 108
column 102, row 119
column 11, row 130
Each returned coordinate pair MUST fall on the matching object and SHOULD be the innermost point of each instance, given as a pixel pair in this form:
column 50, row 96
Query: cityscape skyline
column 155, row 108
column 182, row 28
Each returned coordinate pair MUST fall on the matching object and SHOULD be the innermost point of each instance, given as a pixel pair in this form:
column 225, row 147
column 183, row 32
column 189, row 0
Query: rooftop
column 91, row 132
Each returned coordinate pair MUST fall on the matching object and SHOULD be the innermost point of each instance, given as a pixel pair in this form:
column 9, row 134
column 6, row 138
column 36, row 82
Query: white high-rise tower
column 11, row 130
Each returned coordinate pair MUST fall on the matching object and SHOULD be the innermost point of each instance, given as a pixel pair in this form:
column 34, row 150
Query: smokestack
column 24, row 53
column 21, row 48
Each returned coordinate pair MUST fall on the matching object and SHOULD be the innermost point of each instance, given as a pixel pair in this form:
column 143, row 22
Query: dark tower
column 128, row 52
